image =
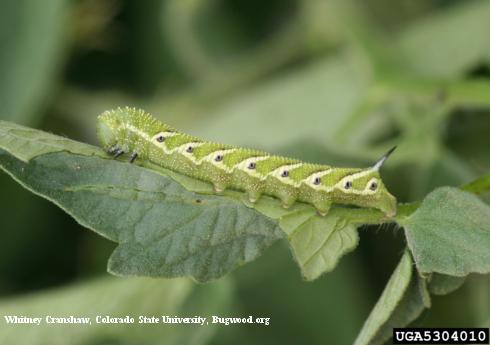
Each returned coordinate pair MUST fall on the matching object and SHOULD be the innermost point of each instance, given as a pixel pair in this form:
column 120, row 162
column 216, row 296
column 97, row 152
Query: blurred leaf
column 318, row 242
column 442, row 169
column 400, row 108
column 115, row 298
column 31, row 36
column 387, row 303
column 478, row 186
column 466, row 93
column 208, row 41
column 35, row 234
column 25, row 143
column 309, row 102
column 450, row 233
column 329, row 310
column 413, row 303
column 442, row 284
column 448, row 43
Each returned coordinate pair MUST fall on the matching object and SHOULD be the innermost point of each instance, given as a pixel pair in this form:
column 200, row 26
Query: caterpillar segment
column 133, row 131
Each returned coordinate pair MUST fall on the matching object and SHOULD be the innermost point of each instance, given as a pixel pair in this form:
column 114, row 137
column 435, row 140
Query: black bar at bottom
column 440, row 336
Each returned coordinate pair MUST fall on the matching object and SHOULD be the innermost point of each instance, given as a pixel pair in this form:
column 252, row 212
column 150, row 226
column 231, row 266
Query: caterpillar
column 137, row 133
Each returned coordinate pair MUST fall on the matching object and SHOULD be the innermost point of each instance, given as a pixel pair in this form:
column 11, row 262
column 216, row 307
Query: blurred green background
column 333, row 82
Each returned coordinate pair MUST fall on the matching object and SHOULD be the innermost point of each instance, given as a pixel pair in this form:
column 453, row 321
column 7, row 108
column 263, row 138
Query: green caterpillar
column 128, row 130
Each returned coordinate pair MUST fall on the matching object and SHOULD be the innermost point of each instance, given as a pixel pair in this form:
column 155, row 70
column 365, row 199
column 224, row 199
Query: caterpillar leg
column 288, row 200
column 219, row 188
column 117, row 153
column 253, row 196
column 133, row 157
column 287, row 203
column 323, row 207
column 220, row 181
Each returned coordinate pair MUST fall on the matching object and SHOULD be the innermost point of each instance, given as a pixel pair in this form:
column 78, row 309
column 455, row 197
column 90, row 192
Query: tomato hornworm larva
column 133, row 131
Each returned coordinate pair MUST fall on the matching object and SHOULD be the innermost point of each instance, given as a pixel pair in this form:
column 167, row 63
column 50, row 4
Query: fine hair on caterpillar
column 133, row 131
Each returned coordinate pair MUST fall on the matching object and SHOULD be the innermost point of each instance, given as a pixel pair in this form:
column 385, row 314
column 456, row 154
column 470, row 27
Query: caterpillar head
column 366, row 189
column 107, row 125
column 111, row 123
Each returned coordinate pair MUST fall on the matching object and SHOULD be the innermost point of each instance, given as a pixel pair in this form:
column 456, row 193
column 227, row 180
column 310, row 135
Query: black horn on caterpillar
column 383, row 159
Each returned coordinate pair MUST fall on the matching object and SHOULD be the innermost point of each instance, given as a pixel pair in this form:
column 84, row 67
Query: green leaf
column 164, row 230
column 415, row 300
column 391, row 296
column 403, row 299
column 478, row 186
column 132, row 297
column 441, row 284
column 28, row 63
column 318, row 242
column 25, row 143
column 450, row 233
